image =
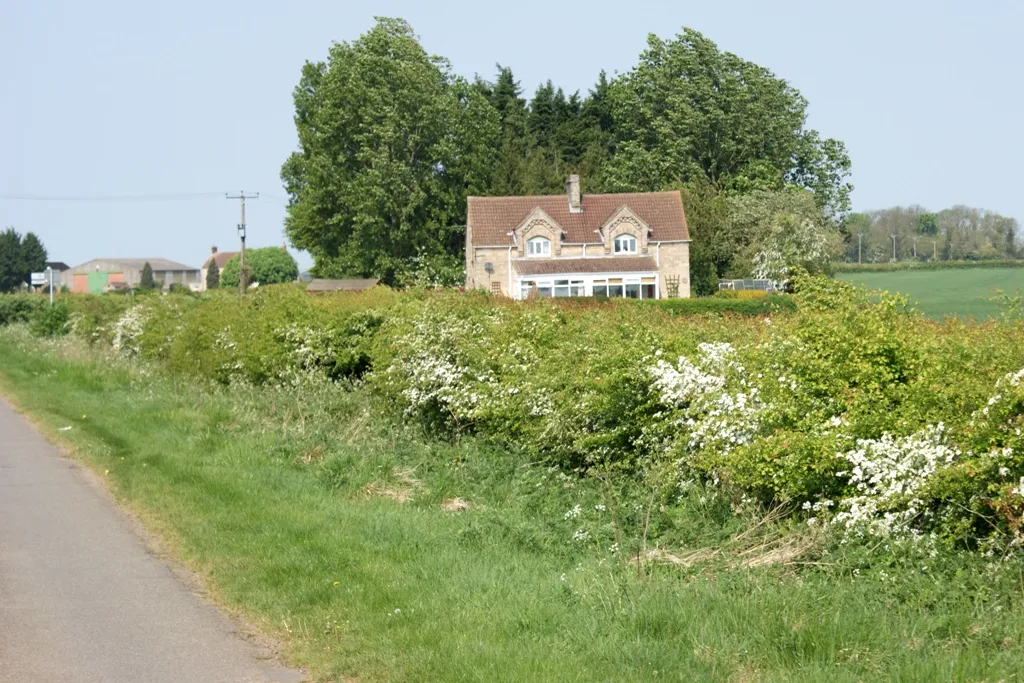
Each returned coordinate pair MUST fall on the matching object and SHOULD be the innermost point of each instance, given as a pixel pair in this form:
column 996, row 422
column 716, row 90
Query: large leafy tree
column 688, row 110
column 390, row 146
column 267, row 266
column 19, row 258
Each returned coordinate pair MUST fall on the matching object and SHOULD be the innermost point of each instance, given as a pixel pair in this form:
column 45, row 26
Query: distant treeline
column 960, row 233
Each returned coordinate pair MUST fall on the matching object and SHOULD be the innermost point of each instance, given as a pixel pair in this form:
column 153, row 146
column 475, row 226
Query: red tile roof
column 222, row 258
column 492, row 218
column 557, row 266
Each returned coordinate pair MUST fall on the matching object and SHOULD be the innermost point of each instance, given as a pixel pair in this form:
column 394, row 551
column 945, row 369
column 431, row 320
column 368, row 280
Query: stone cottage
column 632, row 245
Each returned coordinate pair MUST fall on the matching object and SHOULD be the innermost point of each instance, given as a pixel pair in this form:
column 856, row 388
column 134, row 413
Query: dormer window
column 538, row 246
column 625, row 244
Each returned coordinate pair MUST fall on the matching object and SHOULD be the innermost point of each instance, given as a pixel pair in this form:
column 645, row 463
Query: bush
column 845, row 402
column 267, row 266
column 740, row 305
column 19, row 308
column 51, row 321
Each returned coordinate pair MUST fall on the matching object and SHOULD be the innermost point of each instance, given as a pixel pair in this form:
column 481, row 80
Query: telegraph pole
column 241, row 197
column 859, row 235
column 893, row 247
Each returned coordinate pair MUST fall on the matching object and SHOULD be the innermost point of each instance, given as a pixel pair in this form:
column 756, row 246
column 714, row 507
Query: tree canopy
column 391, row 143
column 266, row 266
column 19, row 258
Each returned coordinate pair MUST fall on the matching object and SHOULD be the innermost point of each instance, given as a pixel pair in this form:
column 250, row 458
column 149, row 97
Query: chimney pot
column 572, row 188
column 213, row 249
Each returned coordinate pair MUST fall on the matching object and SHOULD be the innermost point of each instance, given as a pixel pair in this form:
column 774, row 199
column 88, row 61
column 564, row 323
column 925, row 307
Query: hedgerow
column 841, row 267
column 842, row 406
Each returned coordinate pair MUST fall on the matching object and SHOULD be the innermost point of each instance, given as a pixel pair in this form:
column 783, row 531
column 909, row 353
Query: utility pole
column 893, row 236
column 859, row 236
column 242, row 196
column 915, row 248
column 935, row 252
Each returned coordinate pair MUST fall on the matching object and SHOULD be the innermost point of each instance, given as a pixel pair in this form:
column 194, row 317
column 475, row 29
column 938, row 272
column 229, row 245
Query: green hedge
column 20, row 308
column 774, row 303
column 850, row 402
column 923, row 265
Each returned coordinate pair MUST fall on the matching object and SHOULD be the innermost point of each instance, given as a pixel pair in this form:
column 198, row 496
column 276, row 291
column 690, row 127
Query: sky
column 112, row 99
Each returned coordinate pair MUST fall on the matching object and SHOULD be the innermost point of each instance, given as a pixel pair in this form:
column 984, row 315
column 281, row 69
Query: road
column 82, row 600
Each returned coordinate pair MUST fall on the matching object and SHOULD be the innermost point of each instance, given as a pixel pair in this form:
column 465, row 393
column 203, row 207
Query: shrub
column 19, row 308
column 849, row 403
column 51, row 321
column 267, row 266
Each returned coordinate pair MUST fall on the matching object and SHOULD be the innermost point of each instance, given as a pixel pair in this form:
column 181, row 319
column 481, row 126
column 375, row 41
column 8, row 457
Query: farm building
column 94, row 276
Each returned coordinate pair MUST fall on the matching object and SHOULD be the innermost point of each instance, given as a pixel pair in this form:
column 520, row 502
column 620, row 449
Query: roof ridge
column 584, row 195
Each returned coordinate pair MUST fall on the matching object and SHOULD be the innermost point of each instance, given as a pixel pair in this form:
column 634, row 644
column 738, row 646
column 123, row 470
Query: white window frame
column 538, row 246
column 620, row 242
column 579, row 284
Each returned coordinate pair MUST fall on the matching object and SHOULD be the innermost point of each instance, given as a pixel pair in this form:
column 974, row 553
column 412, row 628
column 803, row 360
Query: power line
column 182, row 196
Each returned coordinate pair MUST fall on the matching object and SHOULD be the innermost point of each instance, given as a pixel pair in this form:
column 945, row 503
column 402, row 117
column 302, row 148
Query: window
column 625, row 244
column 496, row 288
column 538, row 246
column 564, row 288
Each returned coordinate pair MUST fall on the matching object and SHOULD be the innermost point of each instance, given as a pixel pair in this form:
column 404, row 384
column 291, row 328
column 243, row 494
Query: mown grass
column 284, row 501
column 954, row 292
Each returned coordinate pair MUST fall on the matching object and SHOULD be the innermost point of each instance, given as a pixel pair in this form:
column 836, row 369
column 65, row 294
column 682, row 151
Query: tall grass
column 289, row 504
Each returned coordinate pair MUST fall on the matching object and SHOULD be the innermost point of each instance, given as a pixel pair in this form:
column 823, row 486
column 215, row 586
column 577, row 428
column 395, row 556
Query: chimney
column 572, row 188
column 213, row 249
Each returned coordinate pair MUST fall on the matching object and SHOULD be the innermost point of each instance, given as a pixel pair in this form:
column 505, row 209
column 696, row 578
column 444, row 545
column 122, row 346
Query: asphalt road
column 82, row 599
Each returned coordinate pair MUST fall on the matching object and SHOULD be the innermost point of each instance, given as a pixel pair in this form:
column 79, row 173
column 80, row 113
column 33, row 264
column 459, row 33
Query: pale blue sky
column 128, row 98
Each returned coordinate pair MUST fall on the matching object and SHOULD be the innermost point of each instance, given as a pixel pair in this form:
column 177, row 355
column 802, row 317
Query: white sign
column 38, row 278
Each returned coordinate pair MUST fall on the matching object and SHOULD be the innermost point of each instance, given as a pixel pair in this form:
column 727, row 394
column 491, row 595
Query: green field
column 938, row 293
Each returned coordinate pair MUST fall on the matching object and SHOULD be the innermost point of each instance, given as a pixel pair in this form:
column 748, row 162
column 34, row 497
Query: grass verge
column 376, row 554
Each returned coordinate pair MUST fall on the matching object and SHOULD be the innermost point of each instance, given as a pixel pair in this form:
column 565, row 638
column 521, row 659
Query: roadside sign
column 38, row 278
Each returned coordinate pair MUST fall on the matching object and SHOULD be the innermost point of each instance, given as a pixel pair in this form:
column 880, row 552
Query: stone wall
column 673, row 260
column 477, row 276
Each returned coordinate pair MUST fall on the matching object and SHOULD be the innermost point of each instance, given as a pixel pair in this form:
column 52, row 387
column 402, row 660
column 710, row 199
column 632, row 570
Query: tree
column 266, row 266
column 714, row 246
column 927, row 224
column 19, row 258
column 687, row 110
column 11, row 276
column 390, row 146
column 147, row 282
column 782, row 231
column 213, row 275
column 33, row 255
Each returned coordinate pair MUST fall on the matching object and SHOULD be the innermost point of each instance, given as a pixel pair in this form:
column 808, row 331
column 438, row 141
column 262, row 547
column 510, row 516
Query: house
column 221, row 258
column 94, row 276
column 324, row 286
column 633, row 245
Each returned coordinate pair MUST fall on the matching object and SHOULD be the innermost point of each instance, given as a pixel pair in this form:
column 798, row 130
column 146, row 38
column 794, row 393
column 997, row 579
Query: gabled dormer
column 624, row 233
column 530, row 235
